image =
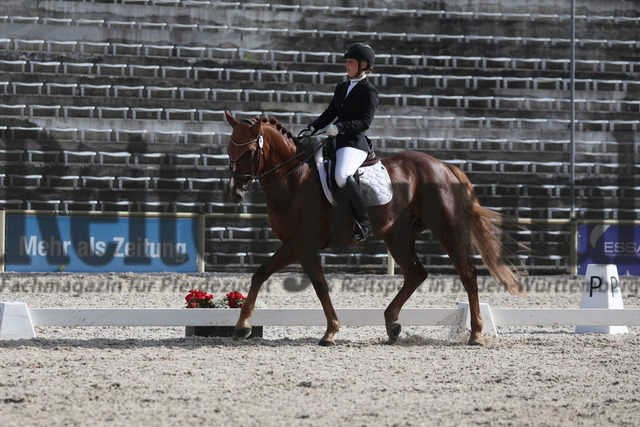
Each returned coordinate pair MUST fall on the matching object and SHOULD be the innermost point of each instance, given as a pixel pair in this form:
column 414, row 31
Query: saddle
column 372, row 176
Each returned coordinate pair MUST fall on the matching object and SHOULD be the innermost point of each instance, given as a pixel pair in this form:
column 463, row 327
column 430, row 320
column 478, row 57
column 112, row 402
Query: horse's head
column 245, row 150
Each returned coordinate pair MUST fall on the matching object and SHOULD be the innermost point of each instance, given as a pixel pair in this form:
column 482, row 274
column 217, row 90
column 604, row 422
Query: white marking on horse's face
column 235, row 191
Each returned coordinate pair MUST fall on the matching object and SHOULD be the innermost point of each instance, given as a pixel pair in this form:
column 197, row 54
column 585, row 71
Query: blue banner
column 40, row 243
column 609, row 244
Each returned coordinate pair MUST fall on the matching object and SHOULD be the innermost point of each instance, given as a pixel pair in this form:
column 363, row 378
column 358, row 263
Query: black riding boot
column 354, row 197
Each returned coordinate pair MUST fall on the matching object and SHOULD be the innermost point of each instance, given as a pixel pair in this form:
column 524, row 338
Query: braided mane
column 274, row 122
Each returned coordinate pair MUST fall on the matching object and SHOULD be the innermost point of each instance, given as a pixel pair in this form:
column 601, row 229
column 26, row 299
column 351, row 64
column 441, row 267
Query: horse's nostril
column 235, row 196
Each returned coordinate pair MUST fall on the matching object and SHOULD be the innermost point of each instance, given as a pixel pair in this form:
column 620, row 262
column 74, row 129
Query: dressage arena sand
column 155, row 376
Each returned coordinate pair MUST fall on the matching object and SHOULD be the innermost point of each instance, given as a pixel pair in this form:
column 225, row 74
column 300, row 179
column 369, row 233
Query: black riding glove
column 308, row 131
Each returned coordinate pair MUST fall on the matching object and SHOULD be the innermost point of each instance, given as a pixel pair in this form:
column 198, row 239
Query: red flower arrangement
column 200, row 299
column 235, row 299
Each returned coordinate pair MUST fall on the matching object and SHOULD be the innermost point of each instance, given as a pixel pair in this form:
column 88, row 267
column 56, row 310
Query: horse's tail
column 488, row 239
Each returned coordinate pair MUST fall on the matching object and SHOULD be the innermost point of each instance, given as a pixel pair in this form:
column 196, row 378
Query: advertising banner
column 609, row 244
column 41, row 243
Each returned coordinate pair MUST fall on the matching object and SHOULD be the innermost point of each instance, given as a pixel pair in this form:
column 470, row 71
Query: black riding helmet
column 361, row 52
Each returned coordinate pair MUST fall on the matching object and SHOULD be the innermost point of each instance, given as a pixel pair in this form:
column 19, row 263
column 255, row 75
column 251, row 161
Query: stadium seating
column 129, row 95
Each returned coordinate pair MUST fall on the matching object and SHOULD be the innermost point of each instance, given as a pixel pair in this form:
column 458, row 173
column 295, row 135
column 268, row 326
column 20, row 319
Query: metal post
column 573, row 254
column 201, row 242
column 572, row 143
column 3, row 228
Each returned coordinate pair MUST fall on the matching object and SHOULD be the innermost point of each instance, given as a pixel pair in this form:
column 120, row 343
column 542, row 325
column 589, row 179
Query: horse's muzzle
column 235, row 194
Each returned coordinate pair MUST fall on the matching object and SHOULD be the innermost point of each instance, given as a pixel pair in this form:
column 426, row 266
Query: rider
column 354, row 104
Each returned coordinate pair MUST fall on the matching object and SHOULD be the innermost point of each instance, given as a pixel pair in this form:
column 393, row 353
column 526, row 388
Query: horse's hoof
column 476, row 343
column 326, row 343
column 394, row 334
column 241, row 334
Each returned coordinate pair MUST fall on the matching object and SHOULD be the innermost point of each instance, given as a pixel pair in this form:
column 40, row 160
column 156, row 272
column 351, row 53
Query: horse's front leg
column 312, row 266
column 279, row 260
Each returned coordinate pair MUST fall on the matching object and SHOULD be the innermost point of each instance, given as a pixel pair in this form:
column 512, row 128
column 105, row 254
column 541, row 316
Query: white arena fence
column 18, row 321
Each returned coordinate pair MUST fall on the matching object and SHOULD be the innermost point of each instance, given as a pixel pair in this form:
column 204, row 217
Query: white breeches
column 348, row 160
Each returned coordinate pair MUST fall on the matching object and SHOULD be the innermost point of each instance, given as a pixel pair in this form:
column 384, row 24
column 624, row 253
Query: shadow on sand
column 199, row 342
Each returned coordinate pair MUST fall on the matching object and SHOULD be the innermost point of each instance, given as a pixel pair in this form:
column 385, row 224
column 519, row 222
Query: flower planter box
column 219, row 331
column 233, row 300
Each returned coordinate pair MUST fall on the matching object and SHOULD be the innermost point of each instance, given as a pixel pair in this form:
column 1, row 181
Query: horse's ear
column 255, row 128
column 230, row 119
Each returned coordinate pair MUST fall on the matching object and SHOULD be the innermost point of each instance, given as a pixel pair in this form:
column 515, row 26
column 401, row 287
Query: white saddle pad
column 374, row 182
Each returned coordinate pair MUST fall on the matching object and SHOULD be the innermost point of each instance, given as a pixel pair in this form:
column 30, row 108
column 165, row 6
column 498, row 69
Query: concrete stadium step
column 270, row 13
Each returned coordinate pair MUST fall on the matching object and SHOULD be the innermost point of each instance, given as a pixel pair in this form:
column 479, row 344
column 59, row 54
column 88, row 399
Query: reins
column 299, row 155
column 258, row 155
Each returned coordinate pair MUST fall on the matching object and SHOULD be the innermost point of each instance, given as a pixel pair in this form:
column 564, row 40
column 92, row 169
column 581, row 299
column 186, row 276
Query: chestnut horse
column 426, row 194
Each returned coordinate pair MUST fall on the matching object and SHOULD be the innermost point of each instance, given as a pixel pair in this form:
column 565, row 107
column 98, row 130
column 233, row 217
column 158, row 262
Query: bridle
column 257, row 157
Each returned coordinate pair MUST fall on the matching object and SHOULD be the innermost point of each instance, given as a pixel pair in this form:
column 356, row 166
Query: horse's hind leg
column 468, row 274
column 402, row 247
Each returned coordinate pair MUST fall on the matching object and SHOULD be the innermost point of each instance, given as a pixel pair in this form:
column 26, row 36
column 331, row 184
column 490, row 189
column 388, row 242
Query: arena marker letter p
column 601, row 290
